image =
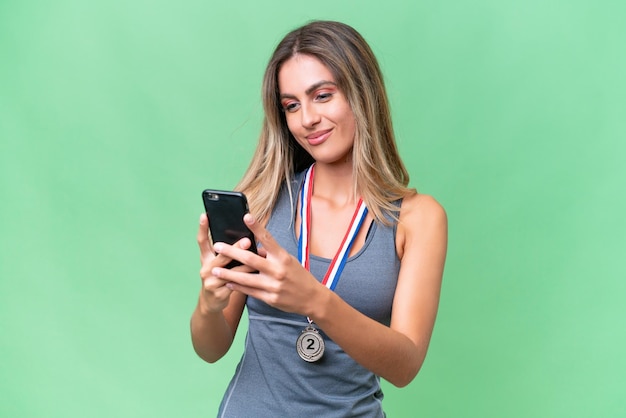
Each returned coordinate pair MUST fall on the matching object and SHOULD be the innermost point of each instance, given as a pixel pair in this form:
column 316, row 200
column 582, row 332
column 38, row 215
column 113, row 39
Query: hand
column 214, row 295
column 281, row 281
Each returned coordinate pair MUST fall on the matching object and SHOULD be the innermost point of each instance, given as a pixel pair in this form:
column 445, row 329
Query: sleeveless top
column 271, row 380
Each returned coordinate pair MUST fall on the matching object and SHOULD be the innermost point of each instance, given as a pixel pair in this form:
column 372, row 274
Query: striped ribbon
column 339, row 260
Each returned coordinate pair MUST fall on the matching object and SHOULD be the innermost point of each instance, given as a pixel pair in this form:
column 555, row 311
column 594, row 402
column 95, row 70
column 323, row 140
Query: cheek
column 293, row 127
column 349, row 123
column 291, row 124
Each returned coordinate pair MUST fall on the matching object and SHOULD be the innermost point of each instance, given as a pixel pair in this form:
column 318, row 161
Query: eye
column 323, row 96
column 291, row 107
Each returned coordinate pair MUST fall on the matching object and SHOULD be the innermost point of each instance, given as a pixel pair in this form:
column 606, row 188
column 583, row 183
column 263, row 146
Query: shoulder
column 422, row 218
column 418, row 208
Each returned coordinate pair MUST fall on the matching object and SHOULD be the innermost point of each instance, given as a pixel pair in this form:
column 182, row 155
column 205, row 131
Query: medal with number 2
column 310, row 344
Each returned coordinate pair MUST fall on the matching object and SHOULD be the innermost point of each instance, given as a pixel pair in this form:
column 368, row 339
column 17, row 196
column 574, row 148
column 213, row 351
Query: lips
column 318, row 137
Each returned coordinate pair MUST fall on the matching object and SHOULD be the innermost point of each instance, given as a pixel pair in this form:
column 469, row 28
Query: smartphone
column 225, row 210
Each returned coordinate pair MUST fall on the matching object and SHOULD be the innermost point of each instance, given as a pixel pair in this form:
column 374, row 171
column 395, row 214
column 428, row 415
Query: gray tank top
column 271, row 380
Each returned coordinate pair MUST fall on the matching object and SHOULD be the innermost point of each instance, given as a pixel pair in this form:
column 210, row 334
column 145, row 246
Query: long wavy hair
column 379, row 173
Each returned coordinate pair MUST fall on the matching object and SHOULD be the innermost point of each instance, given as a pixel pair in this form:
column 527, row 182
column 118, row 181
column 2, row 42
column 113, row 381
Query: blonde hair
column 380, row 176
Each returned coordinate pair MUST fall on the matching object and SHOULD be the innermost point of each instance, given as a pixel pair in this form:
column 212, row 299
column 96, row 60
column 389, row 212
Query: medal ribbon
column 338, row 262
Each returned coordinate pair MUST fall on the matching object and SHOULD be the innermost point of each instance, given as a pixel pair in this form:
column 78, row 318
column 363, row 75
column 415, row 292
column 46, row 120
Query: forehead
column 300, row 72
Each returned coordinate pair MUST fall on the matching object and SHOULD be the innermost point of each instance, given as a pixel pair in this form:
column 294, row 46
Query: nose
column 310, row 116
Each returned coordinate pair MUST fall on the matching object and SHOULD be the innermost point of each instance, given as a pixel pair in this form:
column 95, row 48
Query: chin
column 326, row 160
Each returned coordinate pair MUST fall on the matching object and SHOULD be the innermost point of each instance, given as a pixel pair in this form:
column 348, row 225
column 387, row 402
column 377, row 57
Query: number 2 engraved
column 310, row 345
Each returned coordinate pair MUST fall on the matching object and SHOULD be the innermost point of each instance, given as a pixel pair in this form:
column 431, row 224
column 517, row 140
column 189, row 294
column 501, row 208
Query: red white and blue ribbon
column 338, row 262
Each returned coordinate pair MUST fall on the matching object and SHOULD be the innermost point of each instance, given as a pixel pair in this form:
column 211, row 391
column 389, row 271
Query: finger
column 206, row 271
column 222, row 293
column 255, row 292
column 215, row 294
column 263, row 236
column 244, row 243
column 212, row 283
column 244, row 256
column 222, row 259
column 238, row 280
column 204, row 243
column 216, row 285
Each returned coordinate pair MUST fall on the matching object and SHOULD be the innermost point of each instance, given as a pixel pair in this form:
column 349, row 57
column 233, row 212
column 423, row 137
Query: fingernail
column 218, row 247
column 216, row 272
column 230, row 286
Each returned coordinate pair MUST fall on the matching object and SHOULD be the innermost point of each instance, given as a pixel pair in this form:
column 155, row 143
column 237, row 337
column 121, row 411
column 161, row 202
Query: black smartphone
column 225, row 210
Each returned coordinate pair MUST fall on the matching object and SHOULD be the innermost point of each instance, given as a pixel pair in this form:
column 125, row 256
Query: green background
column 114, row 115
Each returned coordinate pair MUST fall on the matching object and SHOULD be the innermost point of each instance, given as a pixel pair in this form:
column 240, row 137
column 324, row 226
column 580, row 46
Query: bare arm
column 397, row 352
column 212, row 333
column 219, row 309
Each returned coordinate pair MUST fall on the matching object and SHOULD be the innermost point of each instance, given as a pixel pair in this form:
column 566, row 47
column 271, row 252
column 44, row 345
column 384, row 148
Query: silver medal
column 310, row 344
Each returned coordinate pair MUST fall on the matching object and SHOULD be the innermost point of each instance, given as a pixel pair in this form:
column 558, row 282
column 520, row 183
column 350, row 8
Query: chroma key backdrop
column 115, row 115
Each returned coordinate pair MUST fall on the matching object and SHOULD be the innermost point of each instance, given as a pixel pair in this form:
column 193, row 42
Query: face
column 317, row 112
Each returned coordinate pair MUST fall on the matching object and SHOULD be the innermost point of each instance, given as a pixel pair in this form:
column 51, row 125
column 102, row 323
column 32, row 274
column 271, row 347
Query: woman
column 346, row 284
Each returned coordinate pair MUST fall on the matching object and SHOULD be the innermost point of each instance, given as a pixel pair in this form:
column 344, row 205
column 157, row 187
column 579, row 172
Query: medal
column 310, row 344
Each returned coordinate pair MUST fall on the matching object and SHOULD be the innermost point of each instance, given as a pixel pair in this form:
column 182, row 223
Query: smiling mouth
column 318, row 137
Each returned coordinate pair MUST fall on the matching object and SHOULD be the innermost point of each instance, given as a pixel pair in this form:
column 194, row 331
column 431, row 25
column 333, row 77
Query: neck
column 334, row 183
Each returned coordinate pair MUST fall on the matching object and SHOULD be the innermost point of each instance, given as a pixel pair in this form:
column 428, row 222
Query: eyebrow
column 310, row 89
